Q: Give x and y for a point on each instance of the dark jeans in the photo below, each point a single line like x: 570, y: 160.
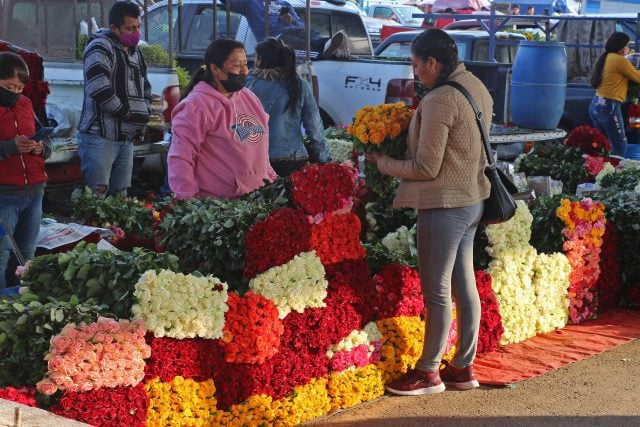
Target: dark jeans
x: 285, y: 168
x: 606, y: 115
x: 21, y: 218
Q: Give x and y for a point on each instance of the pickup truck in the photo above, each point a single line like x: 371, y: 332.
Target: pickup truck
x: 53, y: 29
x: 193, y: 31
x: 584, y: 36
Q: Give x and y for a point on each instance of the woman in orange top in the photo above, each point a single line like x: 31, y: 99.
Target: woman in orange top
x: 610, y: 78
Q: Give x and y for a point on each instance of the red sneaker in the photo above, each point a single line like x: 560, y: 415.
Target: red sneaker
x: 460, y: 378
x: 416, y: 382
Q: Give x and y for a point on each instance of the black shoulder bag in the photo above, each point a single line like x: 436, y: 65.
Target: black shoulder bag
x: 500, y: 206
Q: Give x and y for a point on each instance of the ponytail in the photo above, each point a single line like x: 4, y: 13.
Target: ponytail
x: 615, y: 43
x: 202, y: 74
x: 291, y: 78
x: 274, y: 53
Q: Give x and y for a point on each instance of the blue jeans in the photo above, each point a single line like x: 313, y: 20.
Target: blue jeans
x: 445, y: 254
x: 106, y: 165
x: 21, y: 217
x: 606, y: 116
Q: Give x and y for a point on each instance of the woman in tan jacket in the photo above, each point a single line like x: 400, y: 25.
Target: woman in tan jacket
x: 443, y: 178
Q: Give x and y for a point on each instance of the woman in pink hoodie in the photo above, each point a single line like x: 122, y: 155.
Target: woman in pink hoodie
x: 220, y: 143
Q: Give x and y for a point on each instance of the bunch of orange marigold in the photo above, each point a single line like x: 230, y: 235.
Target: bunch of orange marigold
x: 375, y: 124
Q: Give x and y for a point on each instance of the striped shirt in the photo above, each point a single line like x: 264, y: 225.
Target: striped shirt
x: 117, y: 93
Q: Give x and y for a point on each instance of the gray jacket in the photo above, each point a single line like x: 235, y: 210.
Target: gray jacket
x: 117, y: 93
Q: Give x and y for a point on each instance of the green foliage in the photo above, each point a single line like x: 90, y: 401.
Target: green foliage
x: 130, y: 214
x: 336, y: 132
x: 546, y: 229
x: 481, y: 258
x: 623, y: 210
x: 154, y: 54
x: 183, y: 75
x: 557, y: 161
x: 83, y: 39
x: 621, y: 181
x: 384, y: 186
x: 378, y: 255
x: 386, y: 219
x: 208, y: 234
x: 95, y: 276
x: 633, y: 93
x: 26, y: 327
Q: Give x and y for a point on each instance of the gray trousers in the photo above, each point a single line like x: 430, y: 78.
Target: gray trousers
x: 445, y: 253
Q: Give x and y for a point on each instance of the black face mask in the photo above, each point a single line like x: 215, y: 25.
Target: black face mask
x: 8, y: 98
x: 234, y: 82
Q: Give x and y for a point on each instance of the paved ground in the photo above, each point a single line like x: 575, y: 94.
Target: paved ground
x: 31, y: 417
x: 599, y: 391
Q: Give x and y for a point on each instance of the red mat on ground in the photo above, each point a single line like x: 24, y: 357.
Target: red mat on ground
x: 546, y: 352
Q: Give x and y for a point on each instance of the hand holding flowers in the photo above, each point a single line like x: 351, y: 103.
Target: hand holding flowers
x: 380, y: 130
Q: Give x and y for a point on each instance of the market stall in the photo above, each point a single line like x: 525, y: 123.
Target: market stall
x: 303, y: 296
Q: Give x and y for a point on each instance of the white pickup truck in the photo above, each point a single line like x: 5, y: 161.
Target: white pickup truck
x: 343, y: 86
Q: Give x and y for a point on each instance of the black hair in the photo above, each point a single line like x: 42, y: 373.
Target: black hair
x: 616, y: 42
x: 120, y: 10
x: 284, y: 10
x: 12, y: 65
x: 274, y: 53
x: 217, y: 53
x: 437, y: 44
x: 513, y: 6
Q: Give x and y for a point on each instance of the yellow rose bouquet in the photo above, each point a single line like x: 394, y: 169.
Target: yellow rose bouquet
x: 384, y: 128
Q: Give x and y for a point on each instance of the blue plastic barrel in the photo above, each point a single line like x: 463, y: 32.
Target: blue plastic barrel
x: 632, y: 151
x: 538, y: 85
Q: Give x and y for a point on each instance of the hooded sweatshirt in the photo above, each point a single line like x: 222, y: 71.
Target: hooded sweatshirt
x: 220, y: 145
x: 117, y: 93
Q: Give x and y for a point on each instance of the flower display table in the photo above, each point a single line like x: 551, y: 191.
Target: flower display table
x: 271, y: 310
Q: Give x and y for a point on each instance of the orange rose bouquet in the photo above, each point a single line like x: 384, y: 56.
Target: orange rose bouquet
x: 384, y: 128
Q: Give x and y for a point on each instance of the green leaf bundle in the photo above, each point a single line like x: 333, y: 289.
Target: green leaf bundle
x: 546, y: 229
x: 208, y: 234
x: 103, y: 276
x: 557, y: 161
x: 26, y: 326
x: 131, y: 215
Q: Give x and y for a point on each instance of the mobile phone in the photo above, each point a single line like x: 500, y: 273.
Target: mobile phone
x: 42, y: 134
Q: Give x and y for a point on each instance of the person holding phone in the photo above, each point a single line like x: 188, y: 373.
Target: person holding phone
x: 22, y: 172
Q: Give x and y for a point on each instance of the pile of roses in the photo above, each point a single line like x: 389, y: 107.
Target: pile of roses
x: 585, y: 226
x: 530, y: 288
x: 107, y: 353
x: 316, y: 331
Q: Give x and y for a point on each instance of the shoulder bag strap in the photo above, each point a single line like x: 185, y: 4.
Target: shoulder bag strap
x: 479, y: 118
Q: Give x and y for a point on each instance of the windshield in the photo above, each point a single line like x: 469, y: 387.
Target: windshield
x: 407, y: 12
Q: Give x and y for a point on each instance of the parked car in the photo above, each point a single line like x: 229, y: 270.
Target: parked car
x: 375, y: 26
x: 402, y: 14
x: 472, y: 45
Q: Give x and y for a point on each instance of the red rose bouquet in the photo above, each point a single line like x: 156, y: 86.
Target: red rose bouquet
x: 590, y: 140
